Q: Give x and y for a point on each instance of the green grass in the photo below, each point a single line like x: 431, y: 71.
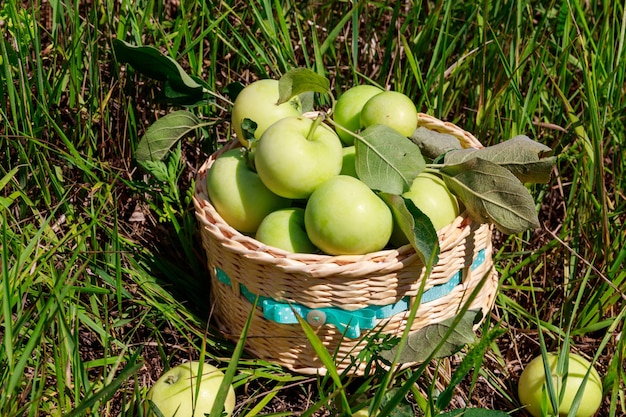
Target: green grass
x: 94, y: 305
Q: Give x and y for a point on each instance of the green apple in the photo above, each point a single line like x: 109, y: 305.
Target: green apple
x: 257, y: 102
x: 532, y: 388
x: 284, y: 229
x: 295, y: 155
x: 347, y: 111
x: 429, y: 194
x: 173, y: 394
x: 238, y: 194
x: 393, y: 109
x: 345, y: 217
x: 348, y: 166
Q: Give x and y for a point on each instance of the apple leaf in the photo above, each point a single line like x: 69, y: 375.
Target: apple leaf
x: 416, y: 226
x: 420, y: 344
x: 307, y: 100
x: 233, y: 89
x: 163, y: 134
x: 299, y: 81
x: 491, y: 193
x: 520, y: 155
x: 386, y: 160
x: 180, y: 88
x: 432, y: 144
x: 248, y: 127
x: 176, y: 95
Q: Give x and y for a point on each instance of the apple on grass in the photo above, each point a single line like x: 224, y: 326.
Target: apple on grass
x: 257, y: 102
x: 532, y: 387
x: 238, y: 194
x: 297, y: 154
x: 393, y: 109
x: 174, y: 393
x: 345, y: 217
x: 347, y: 111
x: 284, y: 229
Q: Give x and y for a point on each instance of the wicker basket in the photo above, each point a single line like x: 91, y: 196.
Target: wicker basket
x: 345, y: 298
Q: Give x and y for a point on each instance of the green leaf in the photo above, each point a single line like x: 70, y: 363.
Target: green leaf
x: 233, y: 89
x: 8, y: 178
x: 152, y: 63
x: 327, y: 360
x: 172, y: 95
x: 520, y: 155
x: 415, y: 225
x: 492, y: 194
x: 472, y: 360
x: 299, y: 81
x: 474, y: 412
x: 432, y: 144
x: 126, y: 374
x: 386, y: 160
x: 163, y: 134
x: 401, y: 406
x: 231, y: 370
x: 422, y: 343
x: 248, y: 127
x: 307, y: 101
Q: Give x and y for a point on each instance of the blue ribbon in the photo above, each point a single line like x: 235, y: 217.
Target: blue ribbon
x: 351, y: 323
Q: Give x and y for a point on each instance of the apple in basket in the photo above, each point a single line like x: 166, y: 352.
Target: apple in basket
x: 257, y: 102
x: 347, y: 111
x: 345, y: 217
x: 533, y: 391
x: 238, y: 194
x: 284, y: 229
x: 175, y: 393
x: 295, y: 155
x: 393, y: 109
x: 430, y: 194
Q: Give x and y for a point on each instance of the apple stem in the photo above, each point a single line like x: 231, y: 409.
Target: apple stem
x: 339, y: 127
x: 333, y: 102
x: 249, y: 158
x: 434, y: 168
x: 316, y: 122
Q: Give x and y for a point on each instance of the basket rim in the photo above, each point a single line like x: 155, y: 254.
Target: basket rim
x: 246, y: 245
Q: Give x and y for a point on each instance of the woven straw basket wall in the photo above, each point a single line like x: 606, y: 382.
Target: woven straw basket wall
x: 336, y: 294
